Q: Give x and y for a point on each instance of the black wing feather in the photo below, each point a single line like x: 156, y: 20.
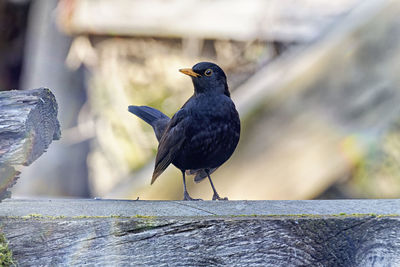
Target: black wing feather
x: 170, y: 143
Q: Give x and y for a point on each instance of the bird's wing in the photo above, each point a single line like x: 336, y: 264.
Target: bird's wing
x: 170, y: 143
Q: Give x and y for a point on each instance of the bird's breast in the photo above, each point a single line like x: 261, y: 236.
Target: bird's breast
x: 210, y: 139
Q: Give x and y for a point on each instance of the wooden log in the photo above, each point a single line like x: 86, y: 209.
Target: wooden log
x: 28, y: 124
x: 209, y: 233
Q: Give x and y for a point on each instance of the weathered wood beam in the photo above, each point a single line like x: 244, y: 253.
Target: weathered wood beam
x: 28, y: 124
x: 209, y: 233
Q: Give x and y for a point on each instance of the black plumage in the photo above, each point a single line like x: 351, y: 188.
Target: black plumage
x: 203, y: 134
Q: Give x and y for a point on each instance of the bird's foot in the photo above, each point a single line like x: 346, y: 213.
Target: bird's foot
x: 187, y: 197
x: 217, y: 197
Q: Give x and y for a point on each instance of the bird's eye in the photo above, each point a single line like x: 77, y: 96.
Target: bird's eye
x: 208, y: 72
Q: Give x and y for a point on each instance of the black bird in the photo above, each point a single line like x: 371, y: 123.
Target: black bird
x: 203, y: 134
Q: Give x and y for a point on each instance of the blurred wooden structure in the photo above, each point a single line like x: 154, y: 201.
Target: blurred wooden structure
x: 309, y: 115
x: 273, y: 20
x: 63, y: 170
x: 28, y: 124
x: 65, y: 232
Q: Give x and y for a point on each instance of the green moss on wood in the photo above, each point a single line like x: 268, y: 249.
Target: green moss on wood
x: 6, y: 257
x: 41, y: 216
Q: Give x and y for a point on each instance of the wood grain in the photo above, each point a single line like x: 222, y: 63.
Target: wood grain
x: 188, y: 239
x: 28, y: 124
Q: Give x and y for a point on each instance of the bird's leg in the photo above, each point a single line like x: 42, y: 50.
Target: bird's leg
x: 185, y: 192
x: 215, y: 196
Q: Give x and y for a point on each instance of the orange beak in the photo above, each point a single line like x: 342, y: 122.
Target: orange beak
x: 189, y: 72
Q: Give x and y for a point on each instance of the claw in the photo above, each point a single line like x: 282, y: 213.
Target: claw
x: 187, y: 197
x: 217, y: 197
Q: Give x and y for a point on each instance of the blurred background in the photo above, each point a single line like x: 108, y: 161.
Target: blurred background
x: 316, y: 83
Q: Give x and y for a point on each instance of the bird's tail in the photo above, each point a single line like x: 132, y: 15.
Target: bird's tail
x: 152, y: 116
x: 148, y: 114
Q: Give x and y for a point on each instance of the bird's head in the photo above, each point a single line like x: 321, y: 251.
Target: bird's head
x: 207, y: 77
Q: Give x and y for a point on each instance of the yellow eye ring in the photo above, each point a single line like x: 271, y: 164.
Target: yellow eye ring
x: 208, y: 72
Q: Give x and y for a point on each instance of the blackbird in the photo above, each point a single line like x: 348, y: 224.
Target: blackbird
x: 203, y: 134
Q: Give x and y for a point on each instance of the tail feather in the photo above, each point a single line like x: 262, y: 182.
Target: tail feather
x: 148, y: 114
x: 152, y: 116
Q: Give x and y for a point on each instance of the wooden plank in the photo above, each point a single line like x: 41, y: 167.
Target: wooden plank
x: 209, y: 233
x: 222, y: 19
